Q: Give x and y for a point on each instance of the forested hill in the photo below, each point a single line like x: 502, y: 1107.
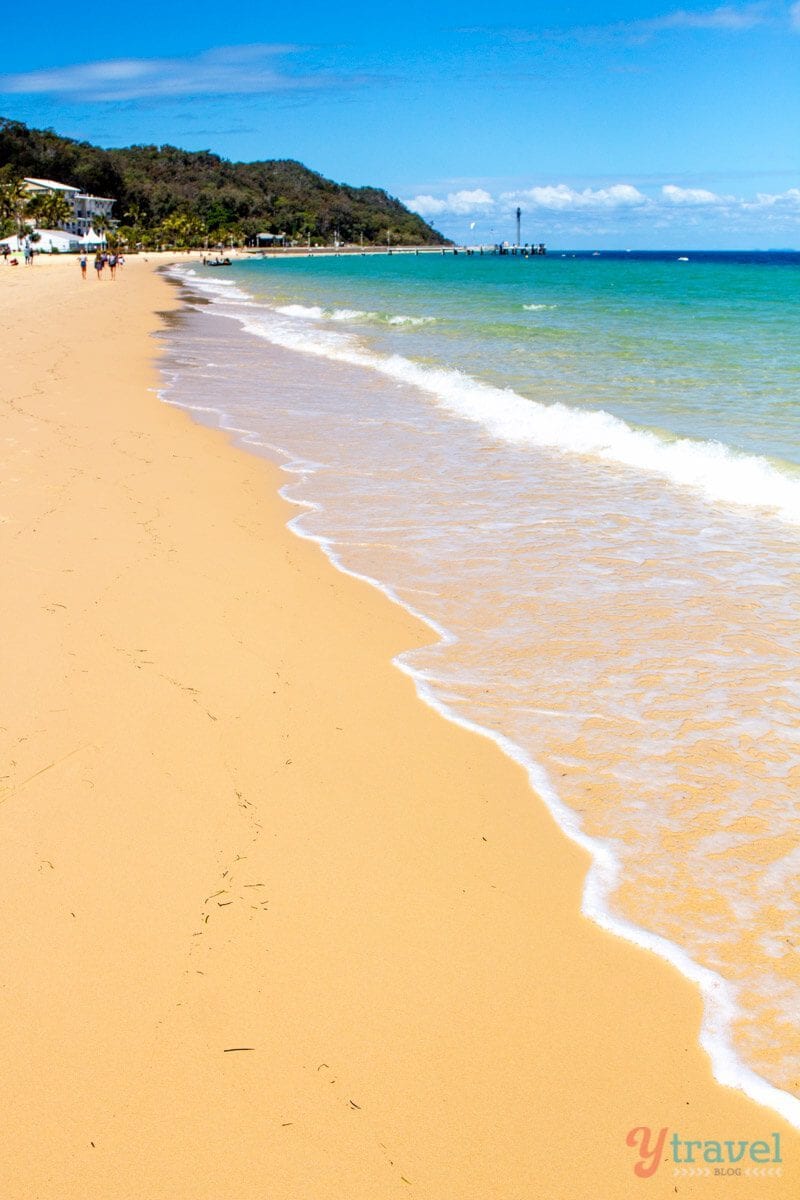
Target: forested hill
x: 154, y: 183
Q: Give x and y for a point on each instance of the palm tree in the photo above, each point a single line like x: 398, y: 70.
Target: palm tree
x: 173, y: 229
x: 101, y: 224
x: 14, y: 197
x: 183, y: 229
x: 34, y: 207
x: 55, y: 210
x: 134, y: 214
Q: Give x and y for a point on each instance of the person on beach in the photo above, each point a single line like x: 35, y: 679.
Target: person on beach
x: 83, y: 266
x: 112, y: 265
x: 98, y: 265
x: 28, y: 255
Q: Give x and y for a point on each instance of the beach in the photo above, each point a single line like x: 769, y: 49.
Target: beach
x: 272, y: 926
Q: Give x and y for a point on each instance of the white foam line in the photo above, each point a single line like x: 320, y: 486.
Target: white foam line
x: 401, y: 320
x: 709, y: 468
x: 719, y: 1007
x: 312, y: 313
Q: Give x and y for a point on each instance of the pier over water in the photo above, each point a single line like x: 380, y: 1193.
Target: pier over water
x: 533, y: 250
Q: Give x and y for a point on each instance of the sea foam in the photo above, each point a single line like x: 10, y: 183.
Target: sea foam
x: 473, y: 400
x: 719, y: 1003
x: 710, y: 468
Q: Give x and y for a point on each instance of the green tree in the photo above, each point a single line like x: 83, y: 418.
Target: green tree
x: 14, y: 198
x: 131, y: 232
x: 134, y: 214
x: 229, y: 235
x: 50, y: 210
x: 183, y: 229
x: 126, y: 235
x: 101, y: 224
x: 151, y: 183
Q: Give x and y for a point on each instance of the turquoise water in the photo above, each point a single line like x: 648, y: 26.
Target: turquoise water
x: 705, y: 349
x: 583, y: 473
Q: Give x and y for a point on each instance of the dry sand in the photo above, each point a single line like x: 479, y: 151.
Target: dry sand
x: 227, y: 821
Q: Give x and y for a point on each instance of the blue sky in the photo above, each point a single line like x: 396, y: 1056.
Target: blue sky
x: 637, y: 125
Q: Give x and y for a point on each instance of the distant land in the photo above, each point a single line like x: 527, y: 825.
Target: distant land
x: 154, y: 184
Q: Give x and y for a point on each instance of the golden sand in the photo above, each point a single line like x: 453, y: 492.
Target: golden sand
x: 271, y: 927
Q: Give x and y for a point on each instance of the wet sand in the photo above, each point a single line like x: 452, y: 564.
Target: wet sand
x: 271, y: 926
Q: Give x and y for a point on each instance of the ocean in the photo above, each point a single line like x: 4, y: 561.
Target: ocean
x: 583, y: 471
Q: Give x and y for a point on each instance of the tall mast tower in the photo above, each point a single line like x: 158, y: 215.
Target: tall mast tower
x: 519, y: 226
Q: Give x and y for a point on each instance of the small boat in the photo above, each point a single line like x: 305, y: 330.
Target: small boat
x: 218, y: 262
x: 683, y: 260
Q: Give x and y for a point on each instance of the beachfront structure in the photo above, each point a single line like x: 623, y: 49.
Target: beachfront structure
x: 55, y: 241
x: 85, y: 207
x: 50, y: 241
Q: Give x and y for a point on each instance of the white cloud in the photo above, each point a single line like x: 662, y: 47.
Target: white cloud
x: 553, y: 197
x: 227, y: 70
x: 464, y: 203
x: 560, y: 198
x: 693, y: 196
x: 563, y: 211
x: 427, y: 206
x: 726, y: 17
x: 788, y: 200
x: 763, y: 202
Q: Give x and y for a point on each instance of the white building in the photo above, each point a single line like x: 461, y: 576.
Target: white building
x: 84, y: 206
x: 55, y: 241
x: 49, y: 241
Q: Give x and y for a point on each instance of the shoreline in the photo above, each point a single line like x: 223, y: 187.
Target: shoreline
x: 603, y: 874
x: 667, y: 454
x: 438, y: 956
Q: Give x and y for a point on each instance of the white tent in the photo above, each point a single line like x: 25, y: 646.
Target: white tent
x: 91, y: 241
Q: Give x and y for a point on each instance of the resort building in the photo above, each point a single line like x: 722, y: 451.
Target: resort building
x: 85, y: 208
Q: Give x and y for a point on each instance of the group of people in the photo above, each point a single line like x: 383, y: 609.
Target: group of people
x: 101, y: 261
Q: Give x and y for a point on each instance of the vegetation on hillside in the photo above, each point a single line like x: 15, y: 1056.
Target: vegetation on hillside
x: 177, y: 197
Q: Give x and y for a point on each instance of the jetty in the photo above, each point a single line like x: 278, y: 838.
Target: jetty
x: 526, y: 251
x: 532, y: 250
